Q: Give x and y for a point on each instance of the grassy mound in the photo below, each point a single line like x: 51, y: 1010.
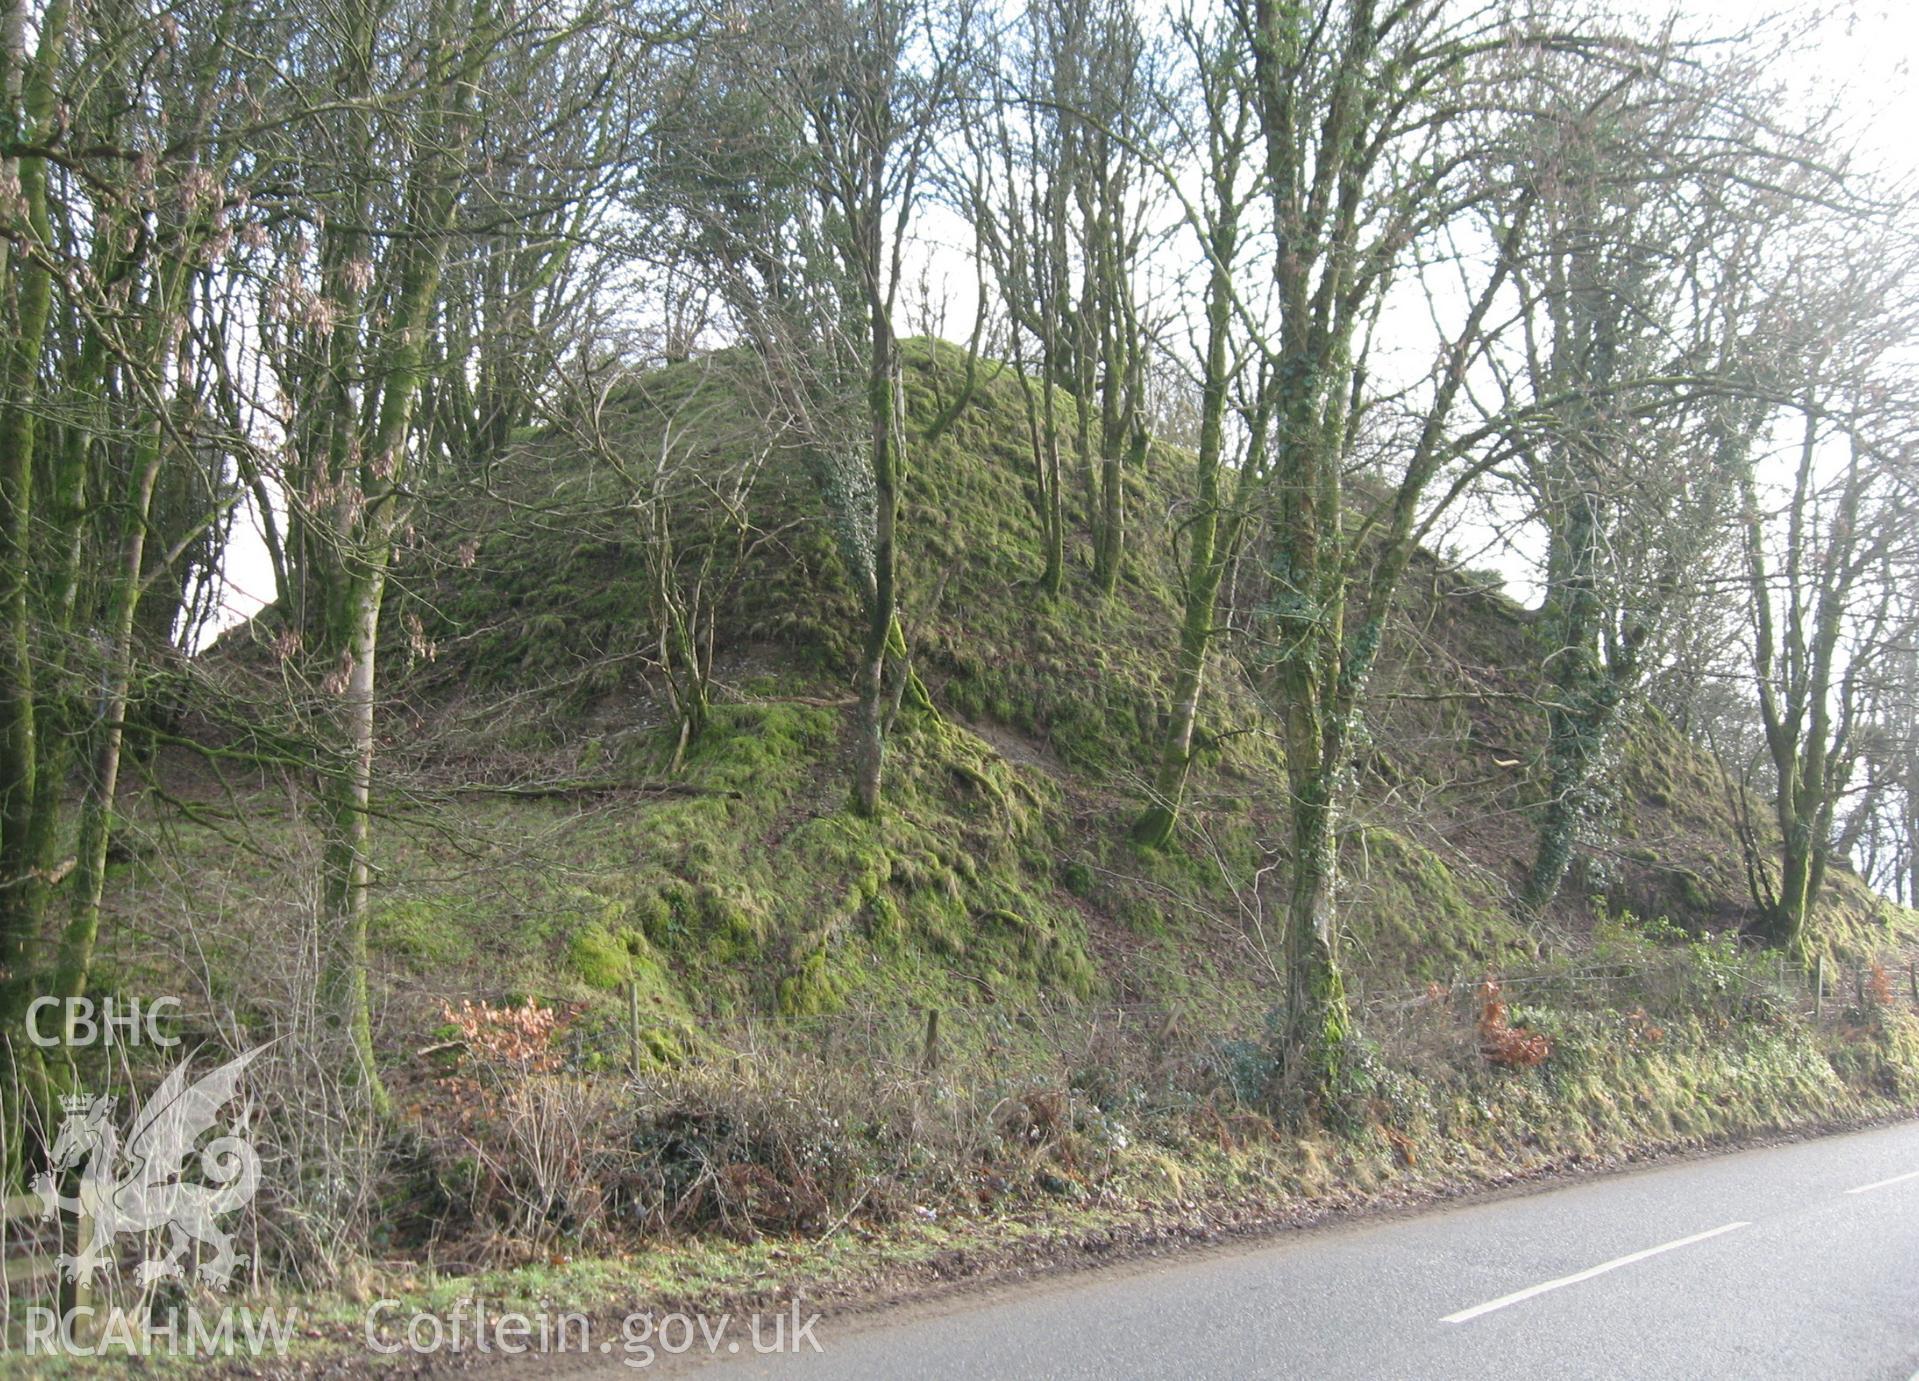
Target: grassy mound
x: 540, y: 839
x: 766, y: 1019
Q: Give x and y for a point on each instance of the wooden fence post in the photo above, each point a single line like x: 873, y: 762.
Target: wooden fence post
x: 1818, y: 987
x: 23, y: 1273
x: 76, y: 1296
x: 930, y: 1056
x: 1163, y: 1055
x: 633, y: 1020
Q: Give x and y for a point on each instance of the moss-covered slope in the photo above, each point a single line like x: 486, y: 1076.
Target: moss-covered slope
x: 542, y: 840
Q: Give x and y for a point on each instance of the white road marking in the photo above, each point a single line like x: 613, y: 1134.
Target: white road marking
x: 1881, y: 1184
x: 1466, y: 1314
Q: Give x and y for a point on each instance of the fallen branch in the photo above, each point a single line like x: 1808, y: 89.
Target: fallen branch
x: 594, y: 787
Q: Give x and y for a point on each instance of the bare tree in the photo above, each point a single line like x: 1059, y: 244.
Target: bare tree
x: 1827, y: 549
x: 390, y: 177
x: 1011, y: 188
x: 804, y: 203
x: 1361, y: 112
x: 690, y: 493
x: 1657, y: 190
x: 116, y: 218
x: 29, y: 259
x: 553, y: 150
x: 1224, y: 493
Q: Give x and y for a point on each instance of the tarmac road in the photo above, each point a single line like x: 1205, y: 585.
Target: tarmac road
x: 1799, y: 1260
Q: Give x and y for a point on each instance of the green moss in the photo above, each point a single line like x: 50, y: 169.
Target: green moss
x: 885, y: 923
x: 599, y: 959
x: 812, y: 989
x: 1000, y: 868
x: 1409, y: 913
x: 663, y: 1046
x: 430, y: 931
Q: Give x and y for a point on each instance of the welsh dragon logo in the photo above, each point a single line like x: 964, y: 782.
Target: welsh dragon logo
x: 141, y: 1188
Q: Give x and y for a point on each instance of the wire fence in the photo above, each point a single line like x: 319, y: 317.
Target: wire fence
x: 1036, y: 1039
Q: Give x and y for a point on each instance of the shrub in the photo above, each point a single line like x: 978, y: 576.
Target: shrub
x: 1500, y: 1041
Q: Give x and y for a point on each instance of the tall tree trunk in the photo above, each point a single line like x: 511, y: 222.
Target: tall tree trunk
x: 1205, y: 566
x: 1154, y: 827
x: 1112, y: 525
x: 1796, y: 707
x: 1042, y: 437
x: 96, y: 817
x: 1784, y: 925
x: 1053, y: 575
x: 870, y: 748
x: 29, y: 798
x: 365, y: 524
x: 1584, y: 696
x: 165, y: 310
x: 1053, y: 518
x: 1318, y: 1020
x: 25, y: 829
x: 1107, y: 532
x: 345, y: 792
